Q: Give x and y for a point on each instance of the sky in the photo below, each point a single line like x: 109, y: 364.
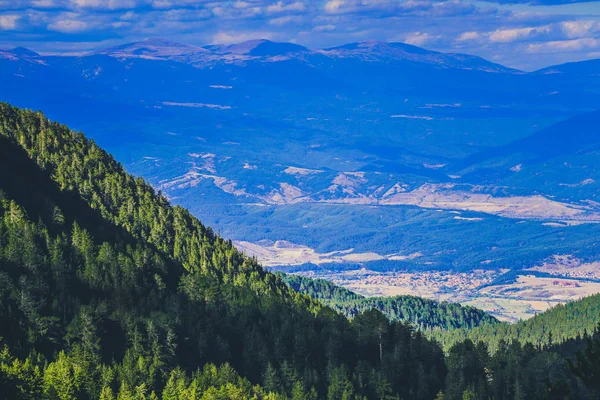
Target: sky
x: 524, y: 34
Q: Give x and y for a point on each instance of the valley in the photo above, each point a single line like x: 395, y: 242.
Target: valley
x: 518, y: 299
x: 440, y: 190
x: 508, y: 295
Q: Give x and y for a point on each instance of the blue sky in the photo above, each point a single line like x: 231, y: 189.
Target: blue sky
x: 518, y: 33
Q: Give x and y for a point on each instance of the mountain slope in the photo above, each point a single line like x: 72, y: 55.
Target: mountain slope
x: 557, y: 160
x: 107, y: 291
x: 424, y: 314
x: 556, y: 325
x: 81, y: 166
x: 573, y: 73
x: 576, y: 134
x: 99, y: 273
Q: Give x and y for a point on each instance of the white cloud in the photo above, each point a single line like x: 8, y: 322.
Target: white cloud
x: 324, y: 28
x: 170, y: 4
x: 578, y: 29
x: 517, y: 34
x: 420, y: 38
x: 162, y: 4
x: 468, y: 36
x: 242, y: 4
x: 551, y: 33
x: 237, y: 37
x: 239, y: 12
x: 388, y: 8
x: 128, y: 16
x: 68, y: 26
x: 47, y: 3
x: 105, y: 4
x: 564, y: 46
x: 8, y: 22
x: 281, y: 21
x: 334, y: 6
x: 281, y: 7
x: 350, y: 6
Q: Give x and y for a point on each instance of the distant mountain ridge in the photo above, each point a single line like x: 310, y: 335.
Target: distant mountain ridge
x: 151, y: 48
x: 394, y: 51
x: 157, y: 48
x: 368, y: 50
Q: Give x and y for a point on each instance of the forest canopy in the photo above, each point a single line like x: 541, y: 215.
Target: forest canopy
x: 107, y: 291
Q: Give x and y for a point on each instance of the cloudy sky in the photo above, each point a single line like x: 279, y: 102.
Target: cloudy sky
x: 526, y: 34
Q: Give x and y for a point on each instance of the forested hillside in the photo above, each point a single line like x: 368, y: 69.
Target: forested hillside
x: 450, y: 323
x: 107, y: 289
x: 554, y: 326
x: 109, y: 292
x: 422, y: 313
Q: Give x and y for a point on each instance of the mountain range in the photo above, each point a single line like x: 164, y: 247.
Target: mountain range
x: 371, y: 154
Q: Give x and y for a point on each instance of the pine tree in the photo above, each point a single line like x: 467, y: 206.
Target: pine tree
x: 271, y: 380
x: 59, y: 379
x: 107, y: 394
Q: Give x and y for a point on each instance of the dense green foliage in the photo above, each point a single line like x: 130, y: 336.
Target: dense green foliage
x: 557, y: 325
x: 516, y: 371
x: 95, y: 264
x: 109, y: 292
x: 587, y: 363
x: 66, y: 378
x: 423, y: 313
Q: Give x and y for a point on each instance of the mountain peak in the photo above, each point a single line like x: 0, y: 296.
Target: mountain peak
x: 23, y: 52
x: 264, y: 48
x: 580, y: 68
x: 152, y: 47
x: 373, y: 50
x: 162, y: 42
x: 378, y: 47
